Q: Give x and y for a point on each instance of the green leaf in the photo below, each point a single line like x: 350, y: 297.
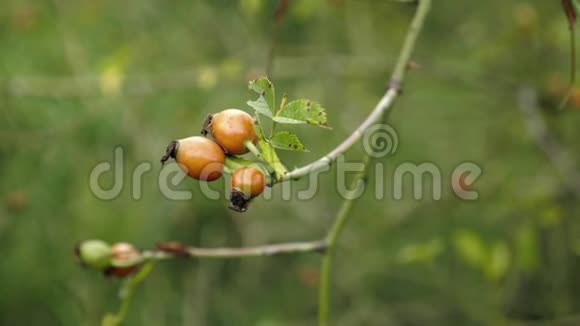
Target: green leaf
x: 421, y: 253
x: 265, y: 88
x: 288, y: 141
x: 302, y: 111
x: 498, y: 262
x: 110, y: 320
x: 288, y: 121
x: 270, y: 156
x: 470, y: 247
x: 261, y: 106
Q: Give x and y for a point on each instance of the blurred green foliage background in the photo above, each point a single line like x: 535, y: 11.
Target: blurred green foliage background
x: 78, y: 78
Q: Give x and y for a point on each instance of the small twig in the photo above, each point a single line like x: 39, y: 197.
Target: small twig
x: 277, y: 20
x: 253, y: 149
x: 381, y: 114
x: 331, y: 238
x: 384, y: 103
x: 258, y: 251
x: 570, y: 12
x: 558, y: 155
x: 126, y: 294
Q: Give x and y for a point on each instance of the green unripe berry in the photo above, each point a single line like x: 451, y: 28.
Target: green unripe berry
x: 94, y: 253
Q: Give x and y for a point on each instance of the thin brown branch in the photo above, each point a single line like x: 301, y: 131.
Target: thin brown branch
x: 557, y: 153
x: 382, y: 106
x: 277, y: 21
x: 380, y: 113
x: 570, y: 12
x: 257, y: 251
x: 571, y: 15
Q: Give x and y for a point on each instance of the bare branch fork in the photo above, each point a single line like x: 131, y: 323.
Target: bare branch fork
x: 556, y: 152
x: 382, y: 107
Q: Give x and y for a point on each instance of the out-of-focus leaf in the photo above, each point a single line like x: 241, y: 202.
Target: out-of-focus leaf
x: 111, y: 79
x: 110, y: 320
x: 207, y: 77
x: 305, y: 9
x: 112, y: 71
x: 230, y: 68
x: 551, y: 216
x: 288, y: 141
x: 421, y: 253
x: 265, y: 88
x: 470, y: 247
x: 302, y: 111
x: 498, y: 261
x: 251, y: 7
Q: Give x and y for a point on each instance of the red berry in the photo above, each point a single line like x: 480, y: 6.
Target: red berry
x: 246, y: 183
x: 123, y: 252
x: 199, y: 157
x: 231, y: 128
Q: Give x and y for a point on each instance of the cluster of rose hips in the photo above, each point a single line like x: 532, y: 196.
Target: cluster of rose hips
x: 225, y: 136
x: 226, y: 133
